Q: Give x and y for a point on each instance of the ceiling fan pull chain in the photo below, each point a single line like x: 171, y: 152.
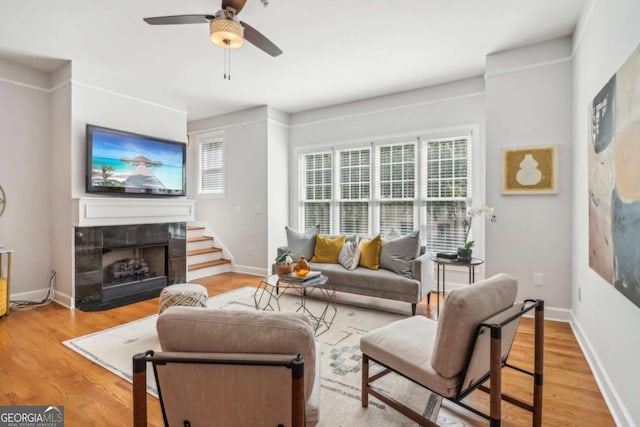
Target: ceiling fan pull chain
x: 225, y: 63
x: 229, y: 50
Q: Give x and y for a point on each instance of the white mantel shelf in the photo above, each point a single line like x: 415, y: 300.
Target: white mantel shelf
x: 100, y: 211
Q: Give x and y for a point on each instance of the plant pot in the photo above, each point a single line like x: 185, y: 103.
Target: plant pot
x: 284, y: 266
x: 464, y: 255
x: 282, y: 269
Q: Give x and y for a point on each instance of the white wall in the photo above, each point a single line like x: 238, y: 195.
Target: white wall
x: 62, y: 243
x: 606, y: 321
x: 25, y: 167
x: 528, y: 93
x: 277, y: 180
x: 239, y: 219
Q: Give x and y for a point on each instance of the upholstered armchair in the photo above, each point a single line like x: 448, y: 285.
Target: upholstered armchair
x: 232, y: 368
x: 467, y: 347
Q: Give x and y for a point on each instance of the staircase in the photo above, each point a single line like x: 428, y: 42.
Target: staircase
x: 203, y: 258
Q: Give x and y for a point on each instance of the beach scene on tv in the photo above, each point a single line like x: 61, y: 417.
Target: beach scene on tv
x: 132, y: 162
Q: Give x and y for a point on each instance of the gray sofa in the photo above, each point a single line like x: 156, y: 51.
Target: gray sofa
x: 382, y: 283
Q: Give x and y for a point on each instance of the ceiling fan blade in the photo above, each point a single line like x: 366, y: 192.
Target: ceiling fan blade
x: 257, y: 39
x: 178, y: 19
x: 236, y: 4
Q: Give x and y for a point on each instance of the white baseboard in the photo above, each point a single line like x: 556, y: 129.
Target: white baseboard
x: 40, y: 294
x: 64, y: 299
x: 618, y: 411
x: 37, y: 295
x: 246, y: 269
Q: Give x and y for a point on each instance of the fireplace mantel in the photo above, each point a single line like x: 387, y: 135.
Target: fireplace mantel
x: 103, y: 211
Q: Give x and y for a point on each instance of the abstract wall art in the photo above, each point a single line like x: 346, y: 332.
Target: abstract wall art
x: 614, y: 180
x: 530, y: 170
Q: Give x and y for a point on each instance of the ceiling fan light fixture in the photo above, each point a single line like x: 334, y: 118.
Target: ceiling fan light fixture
x: 226, y: 33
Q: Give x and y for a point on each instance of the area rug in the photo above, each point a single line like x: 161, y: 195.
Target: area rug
x: 340, y: 356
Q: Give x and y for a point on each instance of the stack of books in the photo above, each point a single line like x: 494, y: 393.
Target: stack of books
x: 312, y: 278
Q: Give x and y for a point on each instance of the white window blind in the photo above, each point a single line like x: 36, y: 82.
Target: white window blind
x: 211, y: 164
x: 316, y: 170
x: 396, y: 189
x: 446, y: 187
x: 354, y: 177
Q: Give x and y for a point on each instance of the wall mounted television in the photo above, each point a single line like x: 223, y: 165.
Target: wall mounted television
x: 129, y: 164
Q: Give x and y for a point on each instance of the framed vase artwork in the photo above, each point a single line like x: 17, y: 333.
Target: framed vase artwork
x: 530, y: 170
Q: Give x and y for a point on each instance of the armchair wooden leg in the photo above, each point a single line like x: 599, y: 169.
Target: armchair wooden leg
x: 297, y: 394
x: 495, y: 399
x: 140, y: 390
x: 413, y: 309
x: 538, y: 365
x: 365, y: 380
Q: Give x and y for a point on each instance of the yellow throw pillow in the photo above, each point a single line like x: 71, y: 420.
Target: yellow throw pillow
x: 327, y: 250
x: 370, y: 252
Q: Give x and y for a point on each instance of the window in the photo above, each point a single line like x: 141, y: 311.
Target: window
x: 397, y: 187
x: 446, y: 190
x: 211, y: 164
x: 401, y: 187
x: 355, y: 190
x: 317, y: 191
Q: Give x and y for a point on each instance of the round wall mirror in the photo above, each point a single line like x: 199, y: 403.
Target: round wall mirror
x: 3, y: 200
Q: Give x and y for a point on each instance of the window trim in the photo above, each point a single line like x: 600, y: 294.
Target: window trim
x: 206, y: 137
x: 478, y: 168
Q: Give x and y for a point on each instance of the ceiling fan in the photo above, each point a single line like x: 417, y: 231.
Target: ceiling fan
x: 224, y: 28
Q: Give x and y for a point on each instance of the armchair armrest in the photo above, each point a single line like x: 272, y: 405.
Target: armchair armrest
x: 422, y: 271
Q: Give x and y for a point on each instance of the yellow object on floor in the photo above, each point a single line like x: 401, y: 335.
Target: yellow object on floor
x: 3, y: 297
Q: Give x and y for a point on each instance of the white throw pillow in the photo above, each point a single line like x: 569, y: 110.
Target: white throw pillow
x: 349, y: 255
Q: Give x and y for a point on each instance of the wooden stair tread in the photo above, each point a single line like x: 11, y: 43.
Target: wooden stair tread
x: 194, y: 227
x: 198, y: 239
x: 200, y: 265
x: 203, y: 251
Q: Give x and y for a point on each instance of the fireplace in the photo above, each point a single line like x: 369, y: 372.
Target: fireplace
x: 118, y: 265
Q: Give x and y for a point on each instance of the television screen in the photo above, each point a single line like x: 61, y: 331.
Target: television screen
x: 130, y: 164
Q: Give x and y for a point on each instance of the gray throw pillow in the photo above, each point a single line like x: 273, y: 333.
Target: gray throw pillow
x: 349, y: 255
x: 301, y: 243
x: 398, y: 254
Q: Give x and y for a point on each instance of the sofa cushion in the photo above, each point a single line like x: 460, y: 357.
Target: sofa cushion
x: 397, y: 254
x: 349, y: 256
x: 464, y: 309
x: 407, y: 345
x: 301, y: 243
x: 376, y: 282
x: 327, y: 249
x: 370, y: 252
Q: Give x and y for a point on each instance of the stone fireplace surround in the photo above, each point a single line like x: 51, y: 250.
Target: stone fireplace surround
x: 97, y: 248
x: 151, y: 223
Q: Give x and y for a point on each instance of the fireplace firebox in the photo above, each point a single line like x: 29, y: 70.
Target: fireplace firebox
x: 119, y: 265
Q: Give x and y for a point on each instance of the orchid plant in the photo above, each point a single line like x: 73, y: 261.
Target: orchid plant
x: 487, y: 211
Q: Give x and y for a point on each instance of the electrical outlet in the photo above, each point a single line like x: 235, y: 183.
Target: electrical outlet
x: 538, y: 279
x: 249, y: 250
x: 237, y: 208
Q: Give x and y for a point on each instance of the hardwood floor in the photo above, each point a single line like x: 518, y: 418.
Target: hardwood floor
x: 36, y: 369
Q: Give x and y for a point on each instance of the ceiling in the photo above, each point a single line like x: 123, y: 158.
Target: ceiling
x: 334, y: 51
